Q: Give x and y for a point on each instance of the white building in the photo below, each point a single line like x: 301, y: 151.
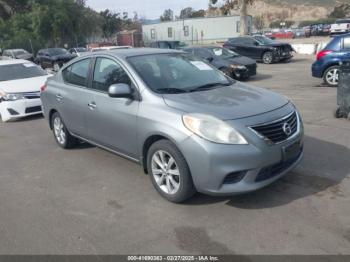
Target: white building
x: 203, y: 30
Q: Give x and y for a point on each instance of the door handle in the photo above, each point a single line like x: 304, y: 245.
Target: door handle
x: 59, y: 97
x: 92, y: 105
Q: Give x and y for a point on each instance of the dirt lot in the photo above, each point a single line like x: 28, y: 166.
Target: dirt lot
x: 88, y: 201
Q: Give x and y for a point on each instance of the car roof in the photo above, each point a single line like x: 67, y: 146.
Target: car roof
x: 124, y: 53
x: 13, y: 62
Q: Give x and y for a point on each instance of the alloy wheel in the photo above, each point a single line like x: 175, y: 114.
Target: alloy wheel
x: 59, y: 131
x: 268, y: 58
x: 332, y: 76
x: 165, y: 172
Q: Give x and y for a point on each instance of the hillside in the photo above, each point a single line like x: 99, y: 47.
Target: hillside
x: 307, y: 2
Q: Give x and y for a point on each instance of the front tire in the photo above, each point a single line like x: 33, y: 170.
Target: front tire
x: 169, y: 172
x: 267, y: 57
x: 331, y: 76
x: 62, y: 136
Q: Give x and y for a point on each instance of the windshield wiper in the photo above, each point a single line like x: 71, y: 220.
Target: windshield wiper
x: 209, y: 86
x: 172, y: 90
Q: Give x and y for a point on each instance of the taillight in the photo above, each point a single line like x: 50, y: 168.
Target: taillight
x: 323, y: 53
x: 43, y: 88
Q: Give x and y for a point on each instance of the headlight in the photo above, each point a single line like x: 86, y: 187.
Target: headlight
x: 242, y: 67
x: 12, y: 97
x: 213, y: 129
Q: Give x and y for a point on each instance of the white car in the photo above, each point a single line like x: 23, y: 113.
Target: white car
x: 341, y: 26
x: 107, y: 48
x: 20, y: 85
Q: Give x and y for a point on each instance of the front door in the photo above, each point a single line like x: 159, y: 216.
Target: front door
x: 112, y: 121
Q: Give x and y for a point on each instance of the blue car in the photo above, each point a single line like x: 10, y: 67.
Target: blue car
x: 329, y: 59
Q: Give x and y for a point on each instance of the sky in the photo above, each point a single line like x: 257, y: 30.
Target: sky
x: 149, y: 9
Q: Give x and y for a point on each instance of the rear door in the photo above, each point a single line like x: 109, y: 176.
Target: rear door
x: 112, y: 121
x: 72, y: 96
x: 346, y: 47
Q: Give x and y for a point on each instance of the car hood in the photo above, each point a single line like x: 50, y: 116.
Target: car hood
x: 228, y: 103
x: 278, y: 44
x: 24, y: 56
x: 23, y: 85
x: 240, y: 60
x: 64, y: 57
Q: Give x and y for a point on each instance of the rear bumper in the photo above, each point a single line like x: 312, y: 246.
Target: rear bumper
x: 317, y: 70
x: 11, y: 110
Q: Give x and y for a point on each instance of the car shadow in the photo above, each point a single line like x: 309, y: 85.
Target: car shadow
x: 324, y: 167
x: 259, y: 77
x: 83, y: 145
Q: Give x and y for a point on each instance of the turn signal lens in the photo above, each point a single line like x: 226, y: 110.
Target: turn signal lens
x: 43, y: 88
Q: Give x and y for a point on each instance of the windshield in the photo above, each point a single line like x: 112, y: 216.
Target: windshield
x: 20, y: 52
x: 57, y: 51
x: 81, y: 49
x: 177, y: 73
x: 264, y: 40
x: 223, y: 52
x: 20, y: 71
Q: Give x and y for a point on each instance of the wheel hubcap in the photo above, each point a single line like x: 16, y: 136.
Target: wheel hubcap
x: 333, y: 76
x: 165, y: 172
x: 60, y: 134
x: 268, y: 58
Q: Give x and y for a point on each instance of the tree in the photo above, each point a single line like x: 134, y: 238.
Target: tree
x: 259, y: 22
x: 241, y: 5
x: 168, y: 15
x: 340, y: 11
x: 111, y: 23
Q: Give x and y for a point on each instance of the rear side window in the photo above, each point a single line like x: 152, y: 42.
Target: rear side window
x: 334, y: 45
x: 77, y: 74
x: 107, y: 72
x: 347, y: 43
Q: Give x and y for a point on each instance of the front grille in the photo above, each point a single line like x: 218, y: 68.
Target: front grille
x: 275, y: 131
x: 274, y: 170
x: 33, y: 109
x: 32, y: 95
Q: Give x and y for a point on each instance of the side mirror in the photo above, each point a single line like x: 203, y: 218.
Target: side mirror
x: 120, y: 91
x: 210, y: 59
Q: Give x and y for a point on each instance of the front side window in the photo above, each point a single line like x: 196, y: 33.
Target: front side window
x: 77, y: 74
x: 177, y: 73
x: 107, y: 72
x: 170, y: 32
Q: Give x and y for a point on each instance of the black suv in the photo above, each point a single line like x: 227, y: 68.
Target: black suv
x: 53, y: 58
x: 260, y: 48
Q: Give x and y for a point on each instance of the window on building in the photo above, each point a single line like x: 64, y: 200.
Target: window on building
x: 170, y: 32
x: 186, y: 30
x: 153, y: 33
x: 238, y: 26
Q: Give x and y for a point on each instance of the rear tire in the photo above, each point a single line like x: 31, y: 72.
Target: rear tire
x: 62, y: 136
x: 268, y: 57
x: 331, y: 76
x: 169, y: 172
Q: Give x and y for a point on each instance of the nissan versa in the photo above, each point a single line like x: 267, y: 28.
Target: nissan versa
x: 192, y: 128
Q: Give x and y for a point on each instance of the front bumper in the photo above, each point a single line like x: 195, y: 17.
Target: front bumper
x: 283, y: 55
x: 11, y: 110
x: 260, y: 163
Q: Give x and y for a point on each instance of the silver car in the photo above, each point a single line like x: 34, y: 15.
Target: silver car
x: 192, y: 128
